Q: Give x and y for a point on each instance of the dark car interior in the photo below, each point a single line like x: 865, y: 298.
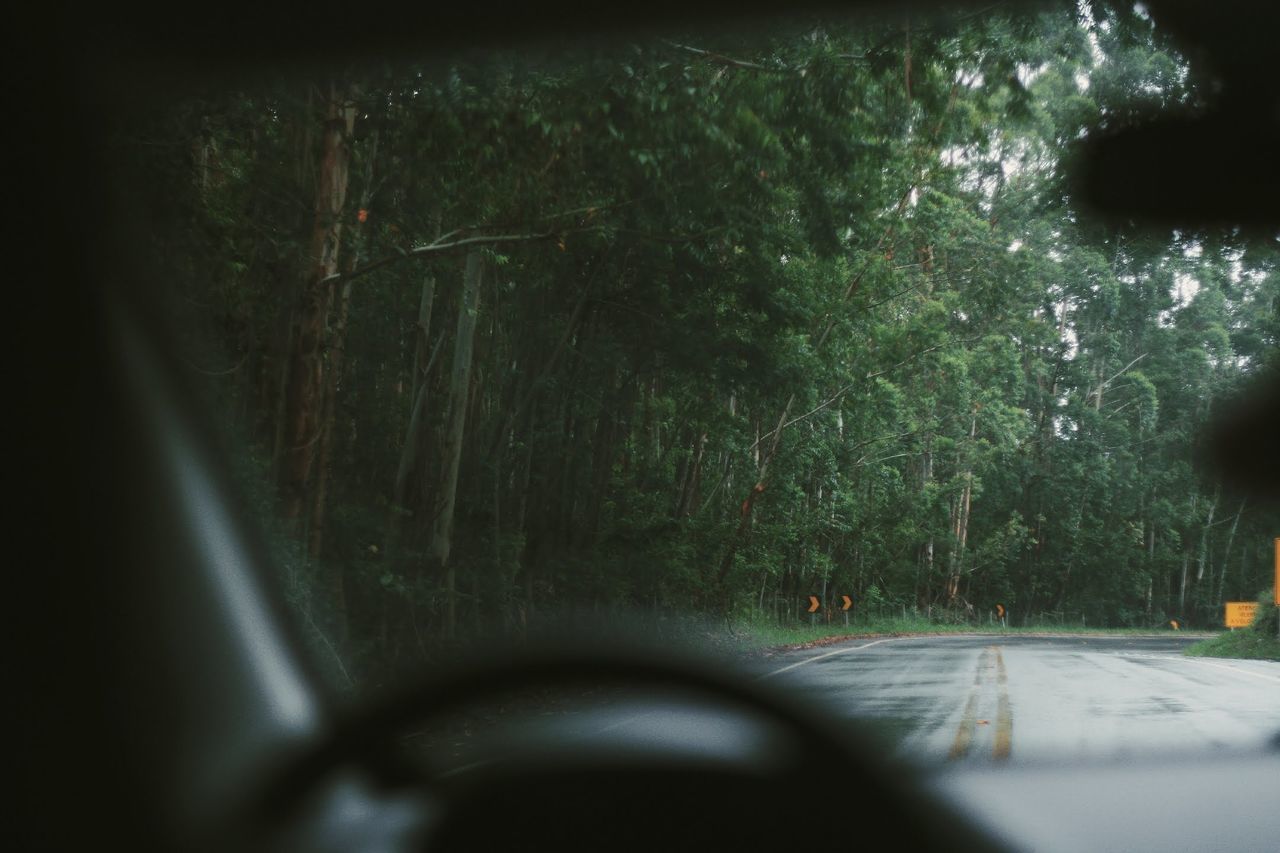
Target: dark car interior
x: 163, y: 700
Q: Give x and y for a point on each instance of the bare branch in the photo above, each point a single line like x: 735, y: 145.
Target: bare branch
x: 230, y: 370
x: 916, y: 355
x: 451, y: 241
x: 726, y: 60
x: 1124, y: 406
x: 846, y: 389
x: 1124, y: 370
x: 880, y: 438
x: 1103, y: 386
x: 437, y: 247
x: 881, y: 459
x: 431, y: 360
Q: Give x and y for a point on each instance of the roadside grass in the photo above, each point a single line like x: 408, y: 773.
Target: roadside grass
x: 760, y: 636
x: 1244, y: 643
x: 1257, y: 642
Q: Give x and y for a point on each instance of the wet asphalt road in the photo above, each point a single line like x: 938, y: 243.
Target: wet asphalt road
x: 993, y: 699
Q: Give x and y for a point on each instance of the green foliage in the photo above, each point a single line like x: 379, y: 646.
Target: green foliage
x: 860, y: 233
x: 1260, y: 641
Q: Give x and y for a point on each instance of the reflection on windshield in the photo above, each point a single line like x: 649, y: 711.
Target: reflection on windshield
x: 766, y: 338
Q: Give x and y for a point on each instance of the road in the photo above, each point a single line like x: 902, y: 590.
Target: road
x: 1016, y: 728
x: 989, y: 699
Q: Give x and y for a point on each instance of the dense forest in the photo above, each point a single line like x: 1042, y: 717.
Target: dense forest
x: 711, y: 324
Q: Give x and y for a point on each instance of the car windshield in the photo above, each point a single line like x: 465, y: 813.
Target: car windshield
x: 758, y: 338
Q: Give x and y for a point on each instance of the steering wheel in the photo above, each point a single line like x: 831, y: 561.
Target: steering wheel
x: 561, y: 794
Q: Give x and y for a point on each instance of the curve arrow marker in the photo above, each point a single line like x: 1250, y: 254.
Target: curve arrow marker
x: 814, y: 604
x: 848, y: 602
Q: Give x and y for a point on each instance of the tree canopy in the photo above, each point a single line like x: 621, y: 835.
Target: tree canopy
x: 713, y: 323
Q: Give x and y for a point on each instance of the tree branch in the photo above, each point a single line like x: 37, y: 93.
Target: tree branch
x: 1103, y: 385
x: 846, y: 389
x: 1124, y: 370
x: 448, y: 243
x: 721, y: 58
x: 436, y: 247
x: 230, y: 370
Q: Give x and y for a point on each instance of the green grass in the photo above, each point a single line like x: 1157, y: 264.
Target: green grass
x: 763, y: 635
x: 1244, y: 643
x: 1257, y: 642
x: 766, y: 634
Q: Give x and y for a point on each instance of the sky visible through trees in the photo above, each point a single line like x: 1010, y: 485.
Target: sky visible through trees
x: 711, y: 323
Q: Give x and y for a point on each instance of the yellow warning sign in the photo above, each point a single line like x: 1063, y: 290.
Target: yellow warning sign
x: 1240, y: 613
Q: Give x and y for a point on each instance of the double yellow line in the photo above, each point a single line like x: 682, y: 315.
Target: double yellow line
x: 990, y: 659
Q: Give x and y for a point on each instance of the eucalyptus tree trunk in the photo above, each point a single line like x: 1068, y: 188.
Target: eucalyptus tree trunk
x: 1186, y: 561
x: 336, y: 346
x: 1182, y: 586
x: 304, y: 398
x: 332, y: 579
x: 960, y: 515
x: 523, y: 564
x: 693, y: 478
x: 1204, y: 537
x: 744, y: 512
x: 413, y: 456
x: 1151, y: 562
x: 1226, y: 556
x: 459, y: 392
x: 925, y: 563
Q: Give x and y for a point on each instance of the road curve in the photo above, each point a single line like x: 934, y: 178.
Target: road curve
x: 999, y: 699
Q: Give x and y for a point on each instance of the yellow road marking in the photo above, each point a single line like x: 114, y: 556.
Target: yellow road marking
x: 968, y: 719
x: 984, y: 663
x: 1004, y: 730
x: 1004, y: 715
x: 964, y: 734
x: 991, y: 659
